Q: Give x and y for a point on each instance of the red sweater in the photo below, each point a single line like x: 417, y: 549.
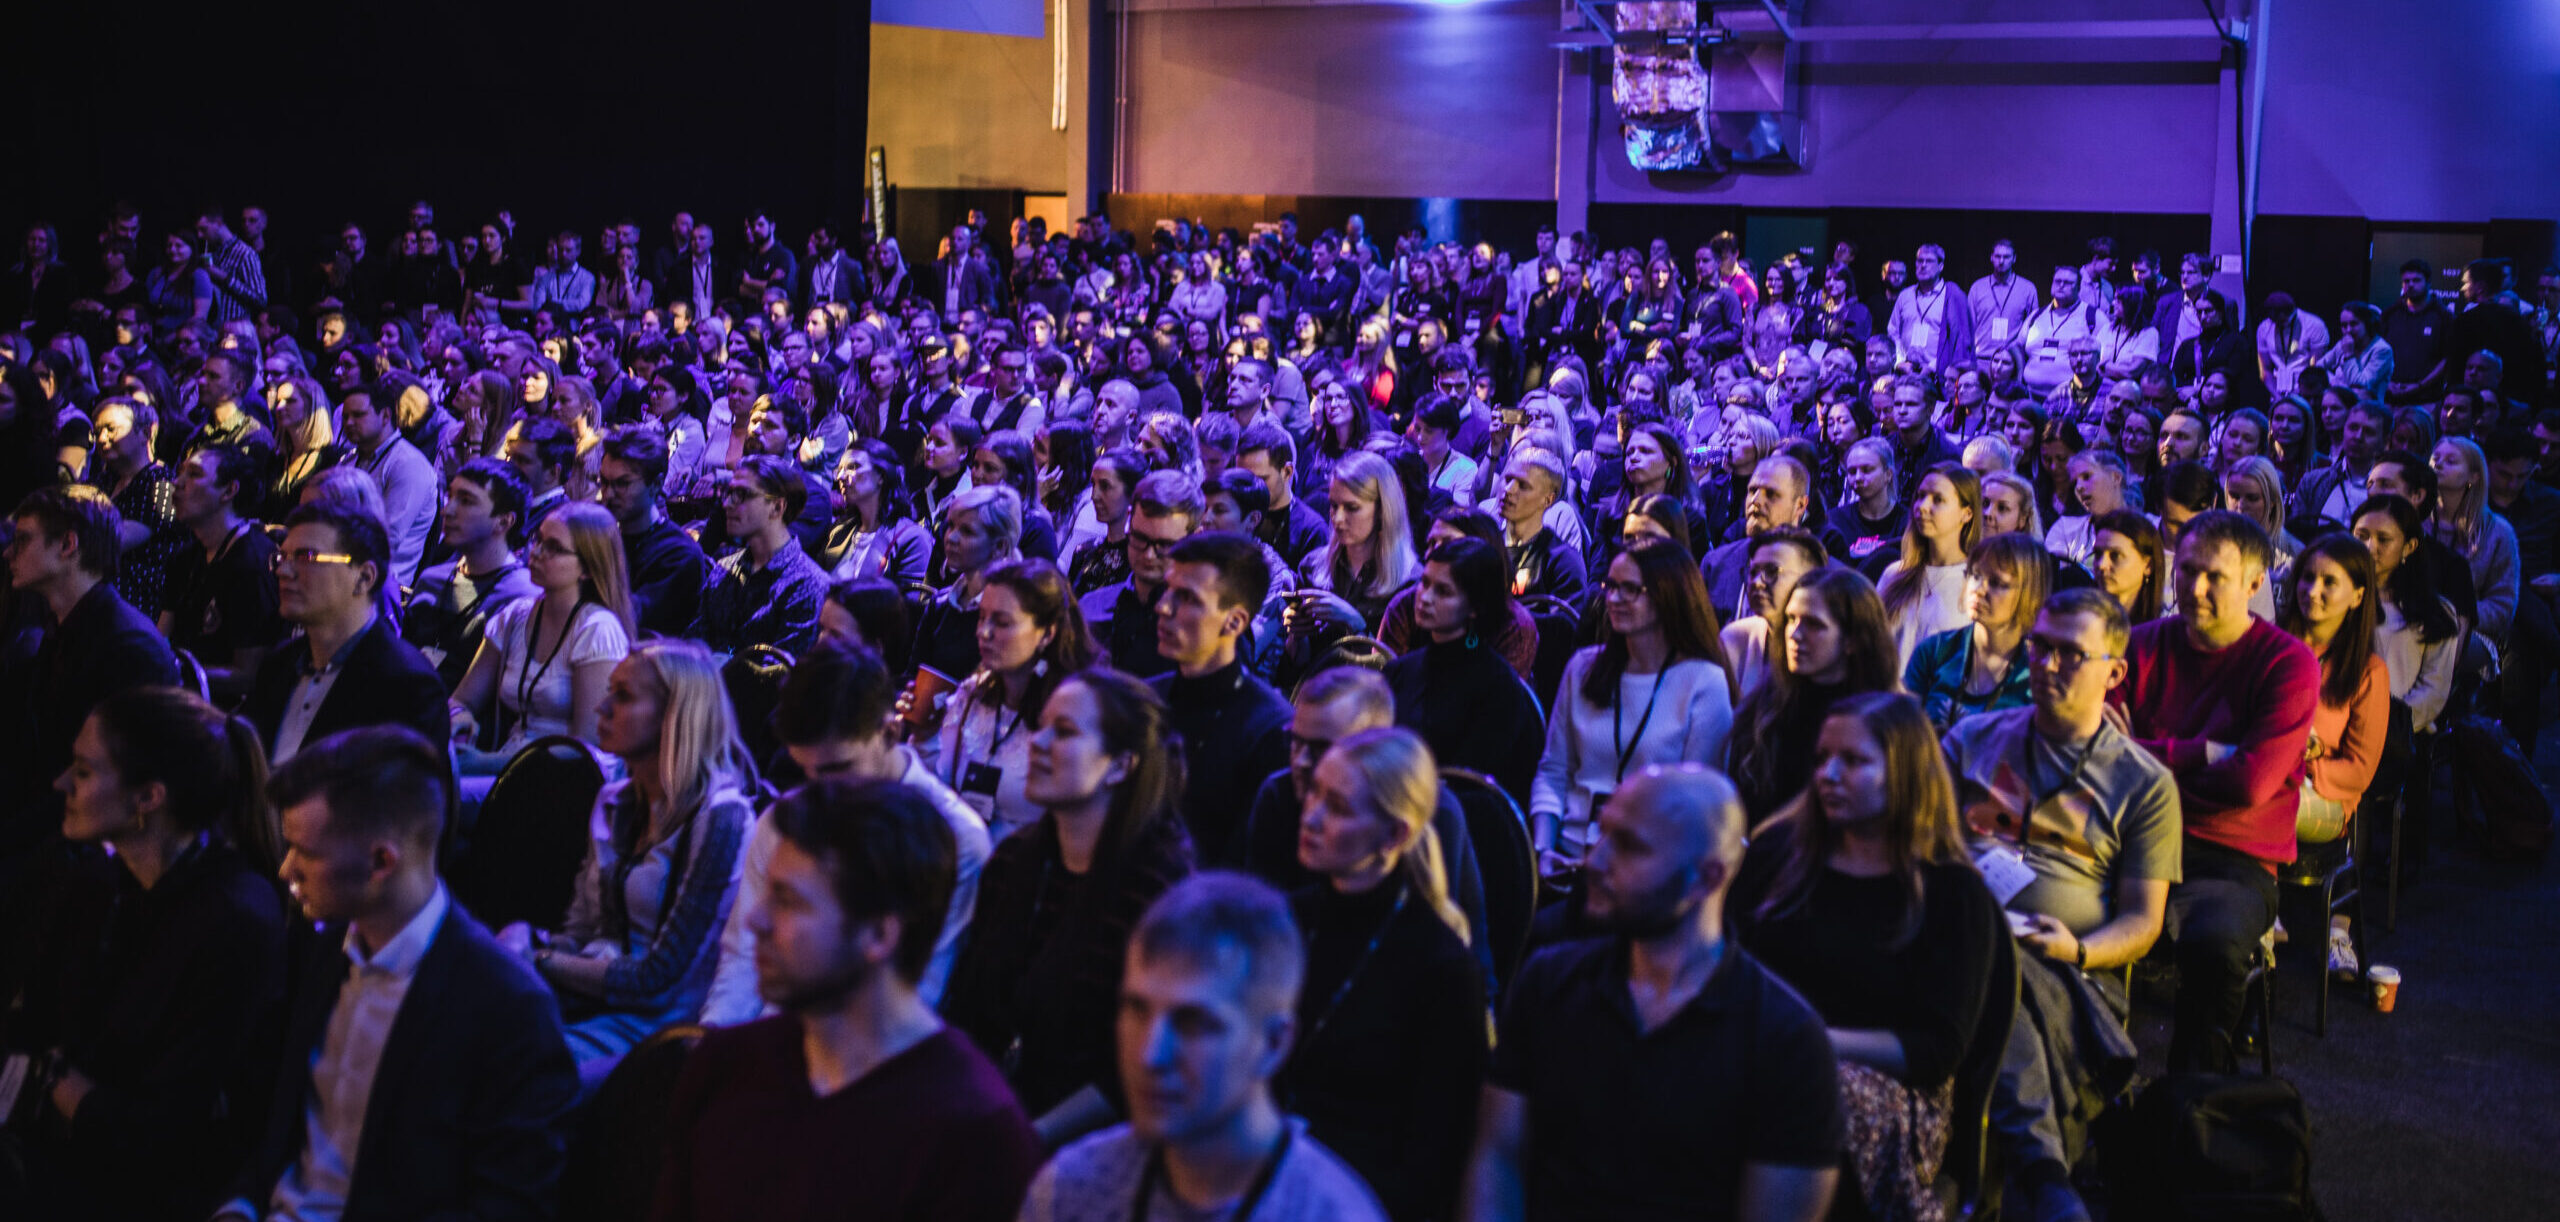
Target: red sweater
x: 2257, y: 696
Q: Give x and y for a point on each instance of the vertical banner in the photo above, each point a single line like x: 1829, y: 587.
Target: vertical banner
x: 879, y: 194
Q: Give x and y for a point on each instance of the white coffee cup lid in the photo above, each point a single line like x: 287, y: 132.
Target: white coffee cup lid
x: 2382, y: 973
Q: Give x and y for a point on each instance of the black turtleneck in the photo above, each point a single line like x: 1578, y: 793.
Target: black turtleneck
x: 1235, y: 733
x: 1785, y: 761
x: 1386, y: 1072
x: 1473, y: 710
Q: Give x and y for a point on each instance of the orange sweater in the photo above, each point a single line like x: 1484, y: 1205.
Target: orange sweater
x: 2350, y: 737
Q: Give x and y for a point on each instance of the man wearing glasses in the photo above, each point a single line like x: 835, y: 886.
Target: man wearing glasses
x: 1169, y: 508
x: 348, y: 668
x: 2076, y: 828
x: 767, y: 592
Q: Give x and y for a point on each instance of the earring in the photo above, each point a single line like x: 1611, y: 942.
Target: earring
x: 1039, y: 668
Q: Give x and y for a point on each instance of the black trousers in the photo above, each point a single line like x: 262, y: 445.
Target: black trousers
x: 2217, y: 917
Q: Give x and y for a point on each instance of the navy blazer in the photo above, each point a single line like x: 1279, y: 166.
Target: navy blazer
x: 469, y: 1101
x: 386, y: 682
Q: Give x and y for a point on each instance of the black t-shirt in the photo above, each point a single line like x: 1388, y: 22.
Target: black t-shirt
x: 1632, y: 1124
x: 221, y: 605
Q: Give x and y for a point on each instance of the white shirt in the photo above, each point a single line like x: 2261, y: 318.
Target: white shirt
x: 309, y: 693
x: 1939, y: 607
x: 1746, y: 645
x: 1681, y: 714
x: 315, y: 1188
x: 734, y: 997
x: 2289, y: 347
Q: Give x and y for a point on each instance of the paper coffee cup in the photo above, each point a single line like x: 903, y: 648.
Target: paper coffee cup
x: 2386, y: 986
x: 928, y: 684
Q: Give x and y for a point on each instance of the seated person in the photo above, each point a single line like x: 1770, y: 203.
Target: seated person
x: 1390, y: 1047
x: 1352, y: 577
x: 448, y: 614
x: 1466, y: 702
x: 1233, y: 725
x: 1210, y: 985
x: 1860, y: 896
x: 1659, y: 647
x: 981, y: 528
x: 583, y: 611
x: 977, y: 740
x: 1830, y: 644
x: 1982, y: 667
x: 1661, y: 1071
x: 858, y: 1082
x: 1040, y: 977
x: 2055, y: 787
x: 159, y: 970
x: 2225, y: 699
x: 1517, y: 642
x: 1775, y: 559
x: 222, y: 591
x: 767, y: 592
x: 460, y: 1101
x: 348, y: 668
x: 1542, y: 565
x: 832, y: 716
x: 1168, y: 508
x: 667, y: 566
x: 642, y: 937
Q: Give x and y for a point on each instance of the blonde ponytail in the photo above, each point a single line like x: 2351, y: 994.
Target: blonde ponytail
x: 1403, y: 783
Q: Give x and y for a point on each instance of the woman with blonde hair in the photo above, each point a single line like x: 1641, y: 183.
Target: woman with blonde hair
x: 2009, y: 504
x: 1861, y: 896
x: 2480, y: 535
x: 642, y: 936
x: 2253, y: 487
x: 1391, y: 1017
x: 1924, y: 591
x: 547, y: 659
x: 1370, y: 558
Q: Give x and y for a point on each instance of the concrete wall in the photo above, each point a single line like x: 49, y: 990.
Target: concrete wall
x: 961, y: 109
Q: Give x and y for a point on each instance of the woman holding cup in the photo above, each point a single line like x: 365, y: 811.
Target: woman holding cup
x: 980, y: 528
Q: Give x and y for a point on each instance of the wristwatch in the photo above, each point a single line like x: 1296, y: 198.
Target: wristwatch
x: 2080, y: 955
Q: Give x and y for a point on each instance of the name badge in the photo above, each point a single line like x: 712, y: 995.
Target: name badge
x: 2000, y: 329
x: 981, y: 779
x: 2005, y: 870
x: 1924, y: 336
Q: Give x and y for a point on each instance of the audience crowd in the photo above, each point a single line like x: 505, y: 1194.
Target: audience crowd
x: 1197, y: 725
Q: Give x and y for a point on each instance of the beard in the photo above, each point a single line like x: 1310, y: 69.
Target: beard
x: 1655, y: 913
x: 817, y: 995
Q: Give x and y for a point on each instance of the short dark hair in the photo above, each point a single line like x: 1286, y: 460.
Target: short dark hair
x: 2090, y: 600
x: 2420, y: 266
x: 229, y: 464
x: 2191, y: 484
x: 1472, y: 522
x: 1250, y: 496
x: 888, y: 851
x: 2214, y: 527
x: 2414, y: 472
x: 80, y: 512
x: 1271, y: 439
x: 1482, y: 572
x: 881, y: 612
x: 835, y: 691
x: 553, y: 445
x: 507, y: 493
x: 640, y: 446
x: 360, y: 535
x: 376, y: 781
x: 774, y: 475
x: 2509, y: 442
x: 1244, y: 576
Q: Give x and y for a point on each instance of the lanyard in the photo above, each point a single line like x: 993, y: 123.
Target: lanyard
x: 2026, y: 826
x: 529, y: 675
x: 1352, y: 977
x: 1617, y: 727
x: 1244, y: 1205
x: 951, y: 775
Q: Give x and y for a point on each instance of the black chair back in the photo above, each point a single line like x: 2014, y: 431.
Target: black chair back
x: 620, y: 1136
x: 1559, y: 634
x: 1506, y: 861
x: 518, y: 858
x: 191, y: 676
x: 754, y: 678
x: 1979, y: 1071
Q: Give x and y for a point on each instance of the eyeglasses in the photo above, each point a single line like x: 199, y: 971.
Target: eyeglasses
x: 1627, y: 591
x: 625, y: 484
x: 739, y: 494
x: 553, y: 549
x: 1151, y: 546
x: 301, y: 556
x: 2064, y: 657
x: 1312, y: 748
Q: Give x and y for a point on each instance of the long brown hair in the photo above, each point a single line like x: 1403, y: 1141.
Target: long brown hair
x: 2342, y: 663
x: 1919, y: 813
x: 2145, y: 536
x: 1135, y: 723
x: 210, y: 762
x: 1688, y: 614
x: 1866, y: 644
x: 1907, y: 583
x: 1050, y: 601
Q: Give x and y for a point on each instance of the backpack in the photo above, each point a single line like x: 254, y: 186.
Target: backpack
x: 2214, y: 1148
x: 2514, y: 812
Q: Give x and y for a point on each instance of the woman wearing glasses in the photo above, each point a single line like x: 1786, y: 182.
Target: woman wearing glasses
x: 546, y: 659
x: 1983, y: 665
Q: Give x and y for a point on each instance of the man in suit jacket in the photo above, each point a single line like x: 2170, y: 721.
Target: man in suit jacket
x: 349, y: 667
x: 424, y: 1071
x: 957, y: 282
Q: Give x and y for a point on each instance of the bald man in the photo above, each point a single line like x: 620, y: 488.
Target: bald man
x: 1662, y: 1037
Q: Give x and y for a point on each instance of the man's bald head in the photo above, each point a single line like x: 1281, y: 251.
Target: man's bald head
x: 1690, y: 810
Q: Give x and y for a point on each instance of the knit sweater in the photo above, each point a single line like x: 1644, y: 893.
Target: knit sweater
x: 2255, y: 697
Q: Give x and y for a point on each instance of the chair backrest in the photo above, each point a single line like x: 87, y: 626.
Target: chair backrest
x: 754, y: 676
x: 1366, y: 652
x: 1506, y: 861
x: 518, y: 858
x: 192, y: 677
x: 1978, y: 1071
x: 612, y: 1172
x: 1558, y: 637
